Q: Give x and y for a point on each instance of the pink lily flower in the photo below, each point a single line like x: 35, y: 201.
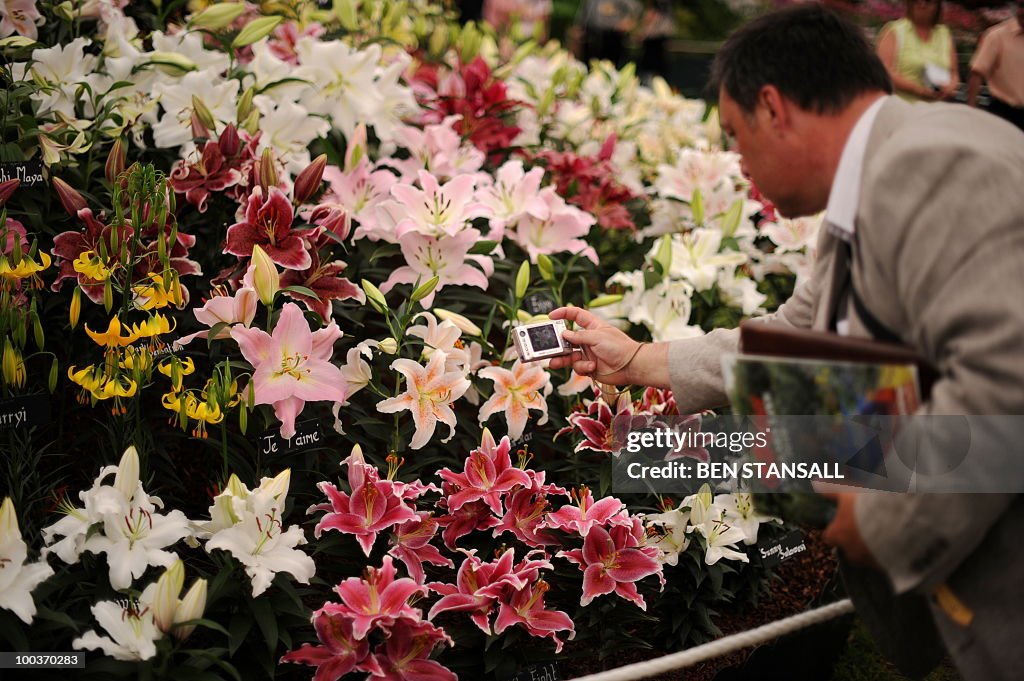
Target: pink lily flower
x: 526, y: 608
x: 586, y: 514
x: 291, y: 366
x: 268, y: 223
x: 603, y: 430
x: 340, y: 653
x: 405, y: 654
x: 437, y: 148
x: 354, y: 195
x: 477, y: 588
x: 411, y: 545
x: 239, y: 308
x: 376, y: 599
x: 562, y: 230
x: 525, y: 518
x: 488, y: 475
x: 473, y: 516
x: 516, y: 392
x: 444, y: 257
x: 514, y: 193
x: 612, y: 562
x: 374, y: 505
x: 429, y: 393
x: 437, y: 210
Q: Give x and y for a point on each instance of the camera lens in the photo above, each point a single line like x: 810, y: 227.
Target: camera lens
x: 522, y: 333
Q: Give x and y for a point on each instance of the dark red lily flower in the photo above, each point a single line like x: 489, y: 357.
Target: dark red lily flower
x: 323, y: 280
x: 268, y: 222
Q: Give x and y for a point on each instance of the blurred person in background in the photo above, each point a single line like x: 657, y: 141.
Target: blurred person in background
x: 605, y: 26
x: 656, y: 28
x: 999, y: 61
x: 919, y: 54
x: 531, y: 16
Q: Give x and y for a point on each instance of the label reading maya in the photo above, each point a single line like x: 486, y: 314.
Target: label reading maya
x: 29, y: 172
x: 33, y: 410
x: 307, y: 435
x: 789, y: 546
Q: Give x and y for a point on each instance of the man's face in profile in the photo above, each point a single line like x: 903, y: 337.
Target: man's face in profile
x: 771, y: 159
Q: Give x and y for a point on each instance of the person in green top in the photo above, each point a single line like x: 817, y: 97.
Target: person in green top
x: 919, y: 53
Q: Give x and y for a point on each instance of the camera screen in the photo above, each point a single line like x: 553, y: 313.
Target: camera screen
x: 543, y: 338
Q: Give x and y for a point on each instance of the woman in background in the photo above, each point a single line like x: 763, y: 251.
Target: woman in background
x: 919, y: 53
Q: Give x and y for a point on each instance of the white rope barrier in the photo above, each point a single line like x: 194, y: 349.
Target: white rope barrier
x: 723, y: 646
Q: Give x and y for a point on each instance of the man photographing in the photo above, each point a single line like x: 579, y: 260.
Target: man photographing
x: 923, y: 243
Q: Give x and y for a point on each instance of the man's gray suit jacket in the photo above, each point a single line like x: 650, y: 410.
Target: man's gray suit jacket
x: 938, y: 259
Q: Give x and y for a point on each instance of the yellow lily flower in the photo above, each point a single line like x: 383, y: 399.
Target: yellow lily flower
x: 136, y: 359
x: 158, y: 293
x: 26, y: 268
x: 89, y: 264
x: 154, y: 326
x: 112, y: 338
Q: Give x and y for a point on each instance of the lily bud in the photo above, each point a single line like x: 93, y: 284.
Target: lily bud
x: 230, y: 143
x: 663, y: 256
x: 190, y: 608
x: 265, y: 277
x: 66, y: 11
x: 218, y: 15
x: 465, y: 326
x: 388, y: 346
x: 126, y: 480
x: 256, y: 30
x: 245, y: 104
x: 251, y: 124
x: 607, y: 299
x: 10, y: 362
x: 733, y: 216
x: 115, y: 160
x: 345, y: 11
x: 268, y: 172
x: 8, y: 520
x: 165, y: 601
x: 235, y: 487
x: 16, y: 42
x: 697, y: 206
x: 7, y: 189
x: 523, y: 279
x: 203, y: 112
x: 69, y: 198
x: 469, y: 43
x: 172, y: 63
x: 308, y: 181
x: 424, y: 289
x: 356, y: 147
x: 277, y: 486
x: 199, y: 130
x: 374, y: 295
x: 546, y: 267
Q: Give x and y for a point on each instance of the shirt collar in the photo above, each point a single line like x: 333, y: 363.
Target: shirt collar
x: 841, y: 210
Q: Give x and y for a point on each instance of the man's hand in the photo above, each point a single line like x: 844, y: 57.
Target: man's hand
x: 604, y: 348
x: 843, y: 533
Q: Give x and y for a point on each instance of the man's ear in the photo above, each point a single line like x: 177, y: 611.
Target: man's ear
x: 774, y: 108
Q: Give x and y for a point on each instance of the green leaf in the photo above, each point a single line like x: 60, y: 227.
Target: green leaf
x: 482, y: 247
x: 239, y: 629
x: 732, y: 218
x: 302, y: 290
x: 266, y: 620
x: 214, y: 331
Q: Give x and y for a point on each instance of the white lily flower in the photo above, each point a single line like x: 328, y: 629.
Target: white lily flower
x: 133, y: 534
x: 673, y: 538
x: 696, y: 257
x: 738, y: 510
x: 721, y: 542
x: 258, y: 540
x: 131, y: 628
x: 169, y: 611
x: 17, y: 577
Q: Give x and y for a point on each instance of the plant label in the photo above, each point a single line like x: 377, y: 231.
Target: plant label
x: 307, y: 436
x: 29, y: 172
x: 538, y: 672
x: 776, y: 552
x: 32, y: 410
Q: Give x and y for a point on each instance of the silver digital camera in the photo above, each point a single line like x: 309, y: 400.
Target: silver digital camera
x: 542, y: 340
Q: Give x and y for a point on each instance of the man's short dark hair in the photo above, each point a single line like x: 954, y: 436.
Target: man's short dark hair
x: 812, y: 55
